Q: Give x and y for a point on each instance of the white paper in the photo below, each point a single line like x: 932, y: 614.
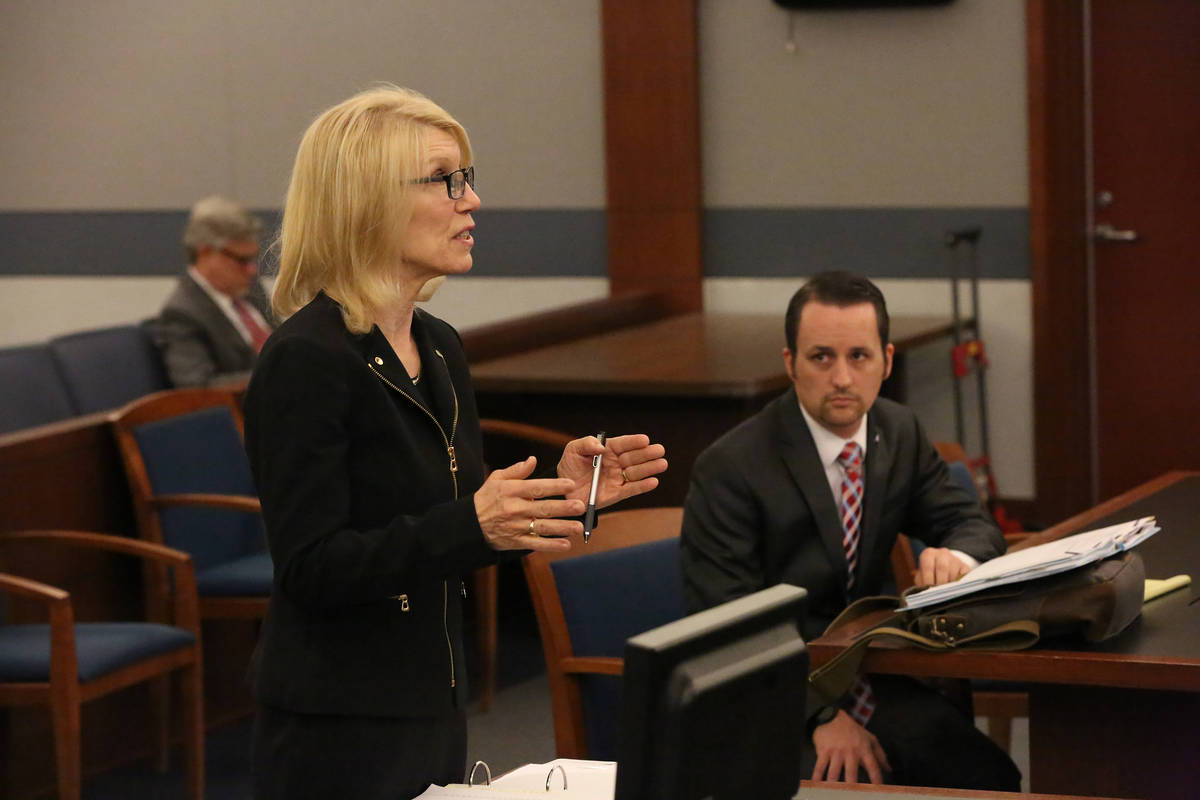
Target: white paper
x: 586, y: 780
x: 1039, y: 561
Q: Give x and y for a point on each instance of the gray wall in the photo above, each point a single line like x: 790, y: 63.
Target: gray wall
x: 860, y: 148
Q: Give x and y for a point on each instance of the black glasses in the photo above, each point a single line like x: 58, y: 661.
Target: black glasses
x: 456, y: 182
x: 245, y: 261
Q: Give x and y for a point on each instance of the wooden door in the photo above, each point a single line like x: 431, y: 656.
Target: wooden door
x: 1145, y: 71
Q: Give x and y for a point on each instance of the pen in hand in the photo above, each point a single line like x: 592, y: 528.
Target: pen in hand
x: 589, y: 519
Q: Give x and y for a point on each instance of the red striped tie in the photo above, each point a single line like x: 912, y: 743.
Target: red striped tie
x: 258, y: 334
x: 852, y: 493
x: 862, y: 697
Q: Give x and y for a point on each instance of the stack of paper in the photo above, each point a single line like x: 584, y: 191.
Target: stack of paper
x: 1038, y: 562
x: 585, y: 780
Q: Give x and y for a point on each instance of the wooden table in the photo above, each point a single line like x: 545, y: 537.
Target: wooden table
x: 1120, y: 718
x: 684, y: 380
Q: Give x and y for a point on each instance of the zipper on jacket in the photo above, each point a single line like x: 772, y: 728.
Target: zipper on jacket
x: 449, y: 442
x: 453, y: 421
x: 446, y: 629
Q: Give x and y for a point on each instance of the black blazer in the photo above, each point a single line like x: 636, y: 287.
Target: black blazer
x: 367, y: 497
x: 759, y: 511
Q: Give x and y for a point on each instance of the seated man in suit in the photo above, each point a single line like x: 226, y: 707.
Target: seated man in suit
x: 216, y: 320
x: 812, y: 491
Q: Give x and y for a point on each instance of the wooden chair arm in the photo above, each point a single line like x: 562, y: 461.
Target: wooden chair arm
x: 101, y: 541
x: 593, y: 665
x: 231, y: 502
x: 64, y: 665
x: 520, y: 430
x: 1019, y: 540
x: 186, y: 602
x: 34, y: 590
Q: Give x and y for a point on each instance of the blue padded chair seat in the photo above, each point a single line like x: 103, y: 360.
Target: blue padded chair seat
x: 642, y: 587
x: 100, y: 648
x: 248, y: 575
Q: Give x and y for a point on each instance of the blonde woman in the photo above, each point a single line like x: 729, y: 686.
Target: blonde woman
x: 363, y: 434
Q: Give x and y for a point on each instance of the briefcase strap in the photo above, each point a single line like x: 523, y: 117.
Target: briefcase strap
x: 834, y: 678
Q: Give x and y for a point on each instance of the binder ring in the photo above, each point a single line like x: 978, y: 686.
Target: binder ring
x: 487, y: 778
x: 550, y: 774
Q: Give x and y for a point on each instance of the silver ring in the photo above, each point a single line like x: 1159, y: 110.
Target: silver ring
x: 532, y: 532
x: 550, y: 774
x: 487, y: 777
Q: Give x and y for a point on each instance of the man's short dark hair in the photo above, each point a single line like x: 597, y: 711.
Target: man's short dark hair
x: 836, y: 288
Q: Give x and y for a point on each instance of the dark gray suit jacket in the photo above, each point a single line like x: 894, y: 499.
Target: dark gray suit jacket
x: 759, y: 511
x: 200, y: 346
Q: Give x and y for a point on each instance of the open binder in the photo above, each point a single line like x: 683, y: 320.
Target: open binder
x: 1039, y: 561
x: 560, y: 779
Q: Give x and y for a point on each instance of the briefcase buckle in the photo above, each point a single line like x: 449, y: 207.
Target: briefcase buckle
x: 946, y: 628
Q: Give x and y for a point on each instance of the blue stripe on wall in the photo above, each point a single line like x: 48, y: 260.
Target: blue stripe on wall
x: 96, y: 243
x: 738, y: 242
x: 880, y: 242
x: 541, y: 243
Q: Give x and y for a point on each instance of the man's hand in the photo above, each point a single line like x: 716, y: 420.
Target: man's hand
x: 939, y: 565
x: 842, y: 747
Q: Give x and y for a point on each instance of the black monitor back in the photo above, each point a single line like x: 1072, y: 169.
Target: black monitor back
x: 713, y: 705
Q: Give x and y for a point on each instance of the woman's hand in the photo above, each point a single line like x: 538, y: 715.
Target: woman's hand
x: 629, y: 466
x: 514, y: 516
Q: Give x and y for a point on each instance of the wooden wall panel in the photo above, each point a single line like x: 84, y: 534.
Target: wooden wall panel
x: 652, y: 148
x: 1058, y: 220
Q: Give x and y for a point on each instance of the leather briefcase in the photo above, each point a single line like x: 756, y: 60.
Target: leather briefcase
x: 1096, y: 601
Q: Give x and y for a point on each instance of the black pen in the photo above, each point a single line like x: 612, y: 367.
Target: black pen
x: 589, y: 519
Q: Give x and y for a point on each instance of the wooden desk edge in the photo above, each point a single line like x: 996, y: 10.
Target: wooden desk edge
x: 1069, y: 667
x: 921, y: 792
x: 1083, y: 519
x: 602, y: 386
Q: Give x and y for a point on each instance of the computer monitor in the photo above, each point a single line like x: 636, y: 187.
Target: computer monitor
x: 713, y: 704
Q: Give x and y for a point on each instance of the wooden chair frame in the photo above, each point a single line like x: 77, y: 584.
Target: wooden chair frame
x: 486, y: 581
x: 617, y: 529
x: 64, y: 693
x: 148, y: 506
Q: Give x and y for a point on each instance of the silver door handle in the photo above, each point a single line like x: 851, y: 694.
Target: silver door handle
x: 1107, y: 233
